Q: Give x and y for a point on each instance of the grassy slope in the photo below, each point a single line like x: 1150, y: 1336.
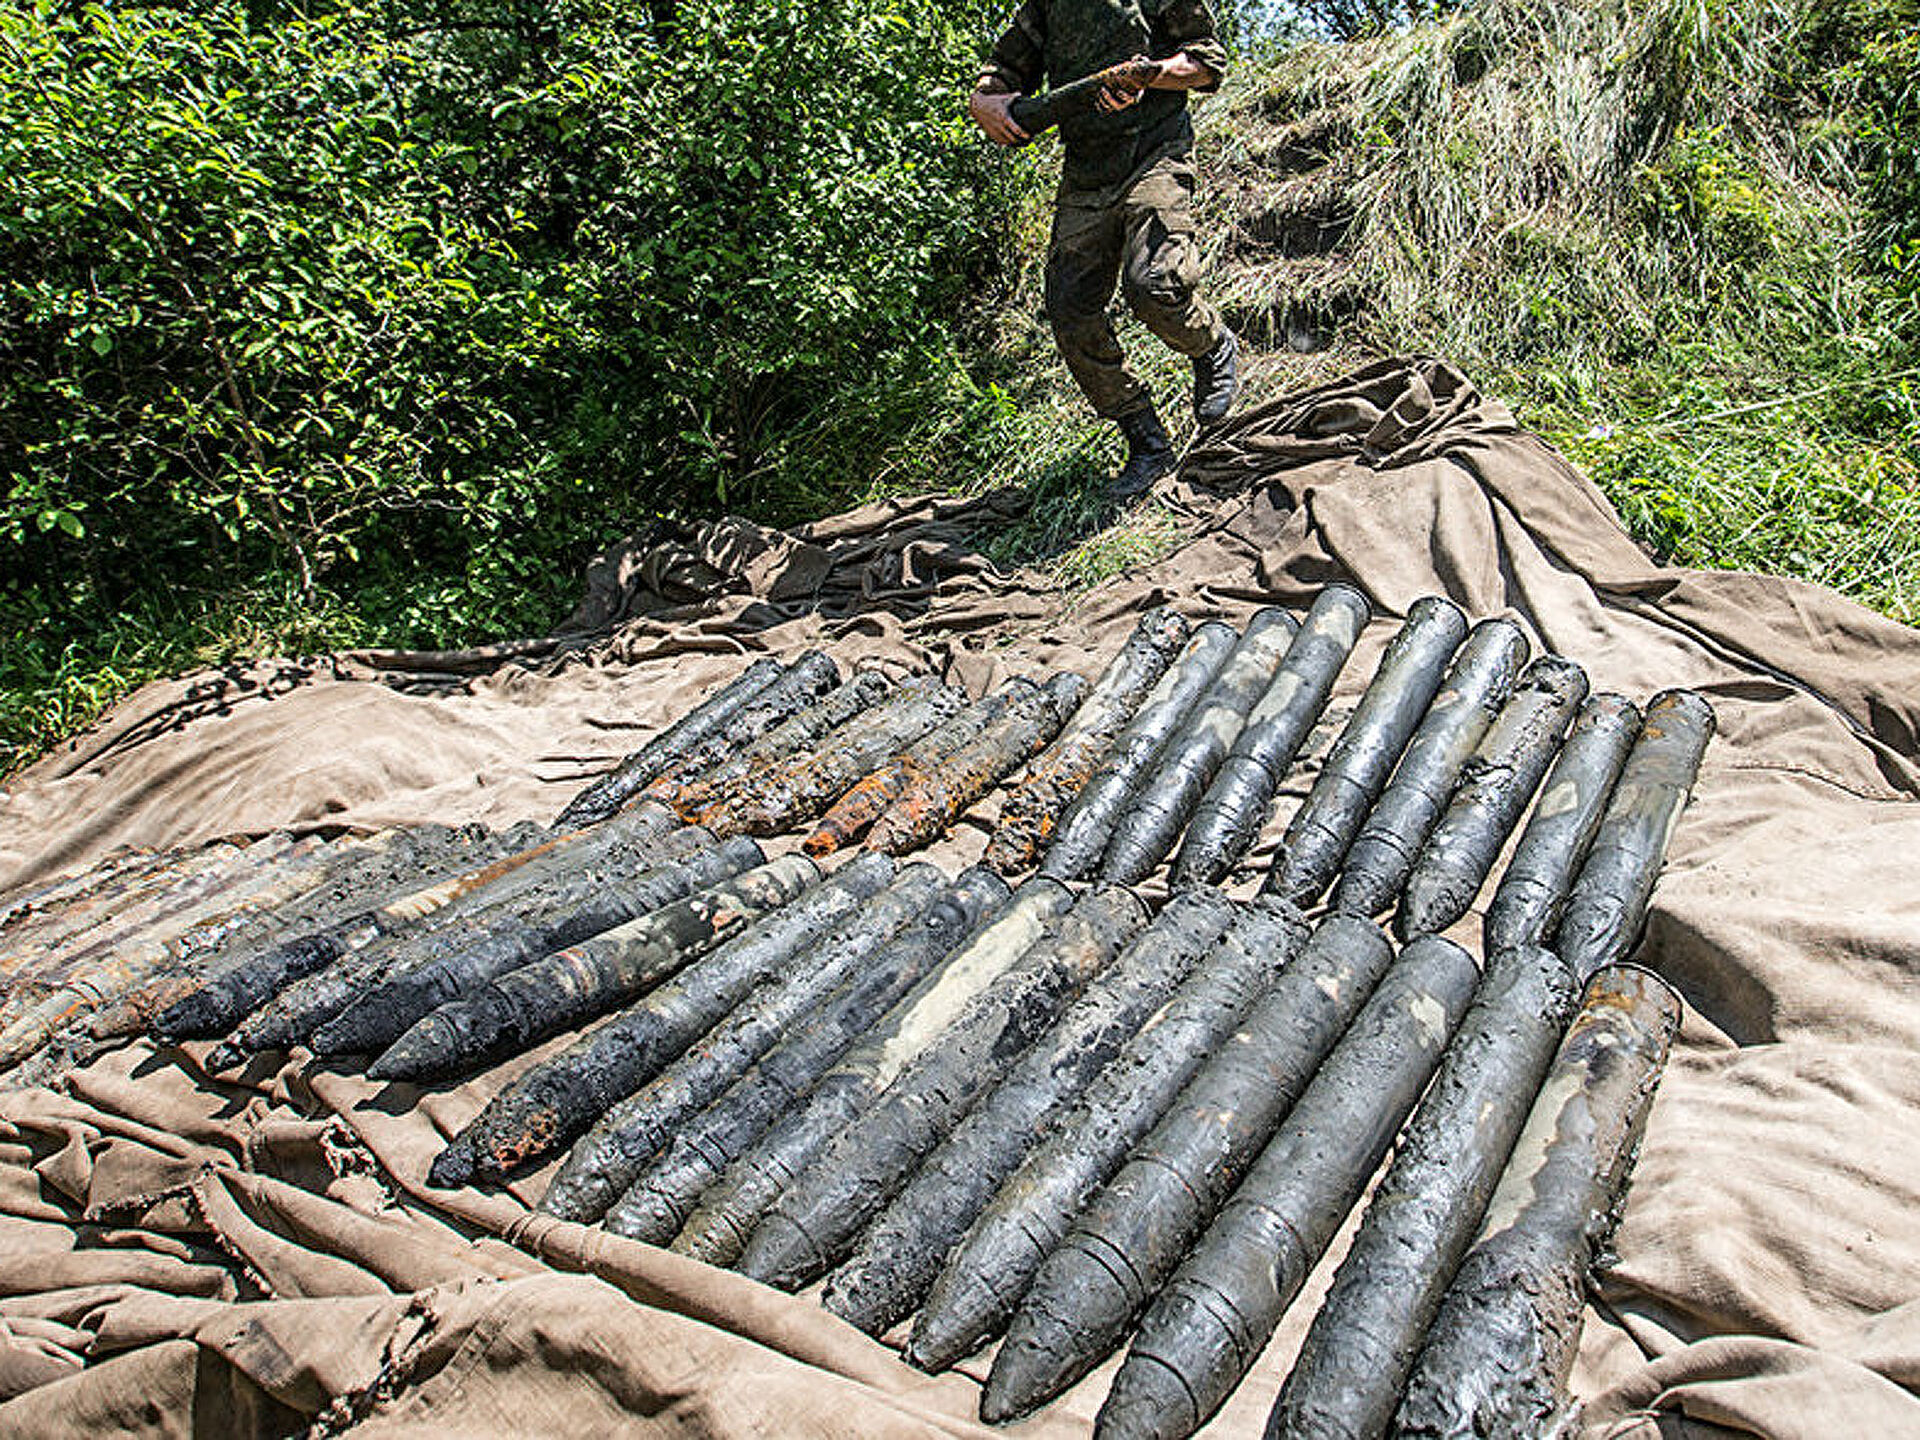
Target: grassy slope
x: 1646, y: 227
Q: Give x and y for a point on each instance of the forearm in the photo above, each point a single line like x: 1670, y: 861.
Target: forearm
x: 1182, y: 72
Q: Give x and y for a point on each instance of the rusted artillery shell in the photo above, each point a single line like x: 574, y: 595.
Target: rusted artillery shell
x: 1081, y: 836
x: 1532, y: 893
x: 862, y: 691
x: 901, y: 1253
x: 559, y: 1099
x: 1360, y: 761
x: 1027, y: 818
x: 814, y: 1224
x: 849, y: 816
x: 1187, y: 763
x: 1477, y: 685
x: 1423, y: 1214
x: 577, y: 984
x: 73, y: 985
x: 1204, y: 1331
x: 756, y: 1181
x: 565, y: 911
x: 371, y: 1007
x: 988, y: 1273
x: 926, y: 808
x: 220, y: 1004
x: 292, y: 1016
x: 1230, y: 814
x: 708, y: 1144
x: 811, y: 675
x: 1607, y: 909
x: 1498, y: 1354
x: 612, y: 790
x: 1135, y: 1231
x: 814, y: 781
x: 1498, y: 782
x: 606, y: 1160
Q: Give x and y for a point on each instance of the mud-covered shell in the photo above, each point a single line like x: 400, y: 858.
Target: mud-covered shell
x: 1030, y: 812
x: 1476, y: 686
x: 1205, y: 1329
x: 816, y: 953
x: 607, y: 794
x: 1499, y: 1352
x: 901, y: 1253
x: 1187, y: 763
x: 1424, y: 1212
x: 1086, y: 825
x: 1135, y: 1231
x: 1527, y: 905
x: 1230, y: 814
x: 1357, y: 767
x: 1607, y: 907
x: 989, y: 1271
x: 685, y: 1188
x: 1494, y: 790
x: 814, y: 1224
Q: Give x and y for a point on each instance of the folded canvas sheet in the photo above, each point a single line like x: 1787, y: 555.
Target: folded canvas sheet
x: 264, y: 1254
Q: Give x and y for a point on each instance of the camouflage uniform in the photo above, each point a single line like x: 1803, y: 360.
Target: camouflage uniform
x: 1124, y: 211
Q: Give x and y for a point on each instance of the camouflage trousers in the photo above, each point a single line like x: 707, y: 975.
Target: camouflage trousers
x: 1143, y: 241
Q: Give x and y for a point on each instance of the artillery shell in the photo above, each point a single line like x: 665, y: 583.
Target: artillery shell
x: 606, y: 1160
x: 707, y: 1145
x: 757, y: 1180
x: 220, y: 1004
x: 1081, y: 836
x: 1027, y: 818
x: 577, y: 984
x: 926, y: 808
x: 850, y: 815
x: 781, y: 744
x: 1497, y: 1357
x: 1477, y: 685
x: 901, y: 1253
x: 1204, y: 1331
x: 1230, y: 814
x: 294, y: 1015
x: 1423, y: 1214
x: 811, y: 675
x: 1190, y: 759
x: 1135, y: 1231
x: 1533, y: 891
x: 814, y: 781
x: 607, y: 794
x: 566, y: 910
x: 988, y: 1273
x: 1607, y: 909
x: 1357, y: 767
x: 814, y: 1224
x: 1498, y: 782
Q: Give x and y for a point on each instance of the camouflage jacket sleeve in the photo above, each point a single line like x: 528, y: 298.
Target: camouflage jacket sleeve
x: 1017, y: 61
x: 1187, y: 25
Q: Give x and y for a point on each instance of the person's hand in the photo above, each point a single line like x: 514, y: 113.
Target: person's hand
x: 1126, y: 89
x: 993, y: 114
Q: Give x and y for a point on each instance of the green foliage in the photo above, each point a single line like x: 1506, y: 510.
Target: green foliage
x: 420, y: 301
x: 1681, y: 236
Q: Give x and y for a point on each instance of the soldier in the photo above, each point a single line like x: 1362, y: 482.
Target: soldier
x: 1124, y: 210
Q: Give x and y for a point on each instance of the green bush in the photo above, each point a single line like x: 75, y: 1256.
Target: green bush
x: 417, y: 302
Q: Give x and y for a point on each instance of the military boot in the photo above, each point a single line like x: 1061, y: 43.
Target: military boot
x: 1149, y: 455
x: 1216, y: 380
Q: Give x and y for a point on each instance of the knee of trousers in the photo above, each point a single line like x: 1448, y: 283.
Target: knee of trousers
x: 1165, y: 285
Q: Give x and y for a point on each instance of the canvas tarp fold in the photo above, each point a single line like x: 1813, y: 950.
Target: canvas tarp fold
x: 175, y: 1248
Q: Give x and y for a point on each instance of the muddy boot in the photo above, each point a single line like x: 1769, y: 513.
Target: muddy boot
x: 1216, y: 380
x: 1149, y: 455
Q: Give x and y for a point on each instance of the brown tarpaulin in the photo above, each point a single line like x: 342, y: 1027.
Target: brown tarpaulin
x: 263, y: 1254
